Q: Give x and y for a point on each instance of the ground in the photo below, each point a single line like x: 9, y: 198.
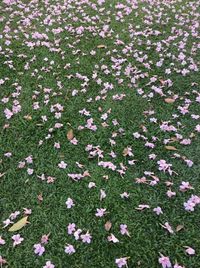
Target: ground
x: 100, y: 109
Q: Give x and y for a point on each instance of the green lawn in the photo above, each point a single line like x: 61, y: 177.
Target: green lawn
x: 122, y: 75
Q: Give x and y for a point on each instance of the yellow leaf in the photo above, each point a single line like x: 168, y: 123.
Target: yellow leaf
x: 70, y: 134
x: 168, y: 100
x: 170, y: 148
x: 19, y: 225
x: 101, y: 46
x: 108, y: 225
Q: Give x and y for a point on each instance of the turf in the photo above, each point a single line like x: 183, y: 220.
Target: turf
x: 26, y: 67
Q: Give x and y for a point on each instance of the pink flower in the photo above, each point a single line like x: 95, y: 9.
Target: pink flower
x: 178, y: 266
x: 190, y: 251
x: 74, y: 141
x: 113, y: 238
x: 185, y: 142
x: 91, y: 185
x: 17, y: 239
x: 164, y: 166
x: 124, y: 230
x: 2, y: 241
x: 185, y: 186
x: 21, y: 164
x: 189, y: 162
x: 102, y: 194
x: 77, y: 234
x: 165, y: 262
x: 192, y: 202
x: 29, y: 159
x: 69, y: 203
x: 30, y: 171
x: 14, y: 215
x: 49, y: 265
x: 45, y: 239
x: 71, y: 228
x: 170, y: 193
x: 125, y: 195
x: 27, y: 211
x: 86, y: 238
x: 197, y: 128
x: 8, y: 154
x: 57, y: 145
x: 39, y: 249
x: 121, y: 262
x: 69, y: 249
x: 142, y: 207
x: 8, y: 113
x: 2, y: 261
x: 100, y: 212
x: 7, y: 222
x: 62, y: 165
x: 152, y: 156
x: 158, y: 210
x: 168, y: 227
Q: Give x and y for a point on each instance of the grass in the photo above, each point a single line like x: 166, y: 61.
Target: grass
x: 19, y: 190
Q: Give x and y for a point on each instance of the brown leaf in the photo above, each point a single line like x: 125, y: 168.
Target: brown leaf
x: 104, y: 124
x: 169, y: 100
x: 101, y: 46
x: 125, y: 152
x: 108, y: 226
x: 173, y: 139
x: 70, y: 134
x: 179, y: 228
x: 170, y: 148
x: 162, y: 82
x: 28, y: 117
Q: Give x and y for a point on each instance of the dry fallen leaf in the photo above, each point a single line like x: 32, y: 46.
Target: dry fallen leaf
x: 108, y: 226
x: 19, y: 225
x: 125, y: 152
x: 162, y: 82
x: 70, y: 134
x: 28, y: 117
x: 179, y: 228
x: 170, y: 148
x: 2, y: 174
x: 104, y: 124
x: 168, y: 100
x: 173, y: 139
x: 101, y: 46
